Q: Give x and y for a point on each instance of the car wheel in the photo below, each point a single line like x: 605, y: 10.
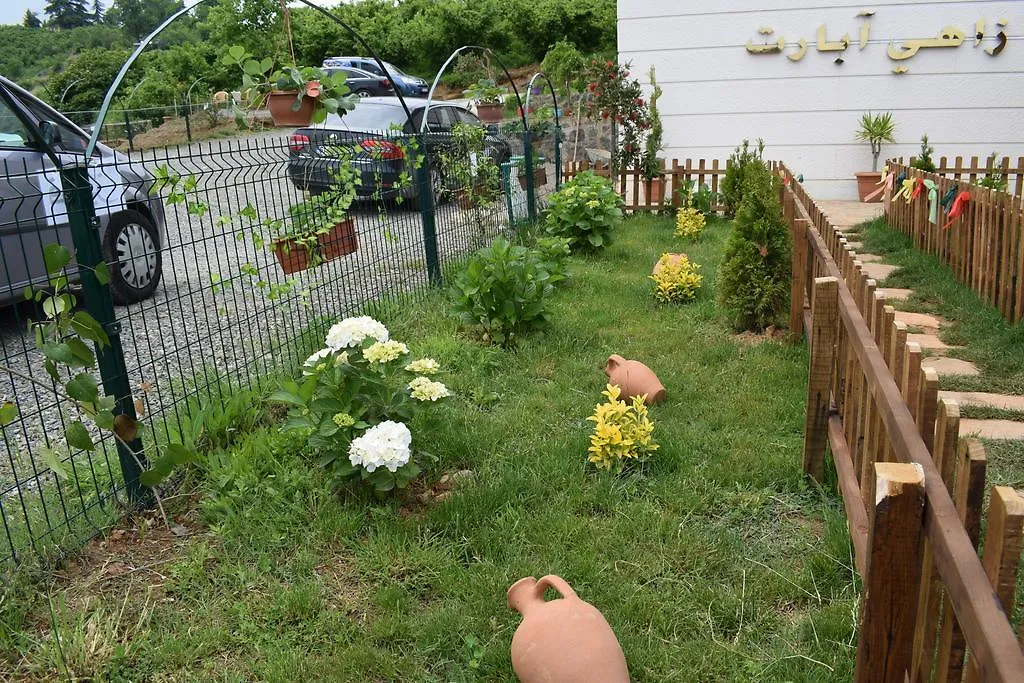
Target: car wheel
x: 131, y: 248
x: 363, y: 92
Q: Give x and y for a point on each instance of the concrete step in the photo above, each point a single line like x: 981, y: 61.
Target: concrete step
x: 981, y: 398
x: 878, y: 271
x: 1005, y: 430
x: 950, y: 366
x: 869, y: 258
x: 930, y: 341
x: 923, y: 320
x: 895, y: 293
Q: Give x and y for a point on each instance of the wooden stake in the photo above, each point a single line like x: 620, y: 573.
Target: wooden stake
x: 823, y: 355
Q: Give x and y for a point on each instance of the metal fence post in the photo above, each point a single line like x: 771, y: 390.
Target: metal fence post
x: 427, y: 211
x: 98, y: 302
x: 128, y: 131
x: 188, y: 125
x: 531, y: 198
x: 558, y: 158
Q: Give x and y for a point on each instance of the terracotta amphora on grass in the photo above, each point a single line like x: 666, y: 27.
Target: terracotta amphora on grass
x: 634, y: 379
x: 563, y: 641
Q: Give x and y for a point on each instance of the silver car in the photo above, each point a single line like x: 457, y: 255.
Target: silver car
x: 33, y: 212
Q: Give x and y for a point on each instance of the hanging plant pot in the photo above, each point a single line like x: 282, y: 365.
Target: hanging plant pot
x: 292, y: 256
x: 340, y: 241
x: 281, y: 105
x: 655, y: 189
x: 540, y: 178
x: 489, y: 113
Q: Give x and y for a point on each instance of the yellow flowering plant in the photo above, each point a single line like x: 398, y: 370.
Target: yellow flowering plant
x: 623, y: 433
x: 689, y: 223
x: 676, y: 278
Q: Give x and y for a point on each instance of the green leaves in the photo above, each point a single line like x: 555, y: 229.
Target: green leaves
x: 585, y: 211
x: 172, y: 456
x: 77, y: 436
x: 55, y: 257
x: 8, y: 413
x: 83, y: 388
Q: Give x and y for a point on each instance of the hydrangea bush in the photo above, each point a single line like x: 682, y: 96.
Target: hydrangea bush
x: 584, y: 211
x: 356, y: 398
x: 623, y: 433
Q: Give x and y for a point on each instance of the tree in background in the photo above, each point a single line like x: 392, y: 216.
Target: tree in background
x: 31, y: 19
x: 66, y: 14
x: 256, y: 25
x: 97, y: 11
x: 138, y: 17
x: 91, y: 72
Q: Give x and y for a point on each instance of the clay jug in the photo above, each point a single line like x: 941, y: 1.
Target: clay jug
x: 672, y: 260
x: 634, y: 379
x: 562, y: 641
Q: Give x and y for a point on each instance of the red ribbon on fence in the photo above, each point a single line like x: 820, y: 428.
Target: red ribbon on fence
x: 918, y: 187
x: 958, y: 208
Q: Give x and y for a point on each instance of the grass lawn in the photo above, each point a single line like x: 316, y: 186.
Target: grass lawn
x: 714, y: 562
x: 994, y: 345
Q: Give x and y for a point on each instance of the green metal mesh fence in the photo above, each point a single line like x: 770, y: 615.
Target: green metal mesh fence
x: 208, y: 308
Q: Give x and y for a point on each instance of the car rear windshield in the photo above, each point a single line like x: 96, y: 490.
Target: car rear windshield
x: 368, y: 117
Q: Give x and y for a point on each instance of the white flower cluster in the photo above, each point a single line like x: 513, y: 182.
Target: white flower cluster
x: 386, y: 445
x: 385, y: 352
x: 352, y: 331
x: 424, y: 389
x: 423, y: 366
x: 310, y: 366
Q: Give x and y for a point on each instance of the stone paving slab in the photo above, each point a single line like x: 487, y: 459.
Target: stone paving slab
x: 855, y: 245
x: 982, y: 398
x: 895, y: 293
x: 878, y: 271
x: 845, y: 213
x: 869, y: 258
x: 930, y: 341
x: 1006, y: 430
x: 923, y: 320
x: 951, y: 366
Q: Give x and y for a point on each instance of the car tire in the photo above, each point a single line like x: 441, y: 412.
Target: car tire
x: 131, y: 248
x: 363, y: 92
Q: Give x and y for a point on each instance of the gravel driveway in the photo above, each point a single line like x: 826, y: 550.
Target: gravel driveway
x: 210, y: 324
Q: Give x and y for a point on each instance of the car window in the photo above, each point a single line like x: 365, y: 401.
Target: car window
x: 13, y: 132
x: 371, y: 67
x: 71, y: 140
x: 354, y: 73
x: 465, y: 116
x: 438, y: 119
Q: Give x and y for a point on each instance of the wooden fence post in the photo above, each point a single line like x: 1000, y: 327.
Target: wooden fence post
x: 889, y: 606
x: 825, y: 323
x: 799, y: 229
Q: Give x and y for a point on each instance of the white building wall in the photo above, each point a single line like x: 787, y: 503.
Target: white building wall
x: 716, y: 93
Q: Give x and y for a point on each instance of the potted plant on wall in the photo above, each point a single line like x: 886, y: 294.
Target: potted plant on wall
x: 488, y: 97
x: 874, y: 129
x: 465, y: 165
x: 540, y: 173
x: 652, y: 167
x: 294, y: 95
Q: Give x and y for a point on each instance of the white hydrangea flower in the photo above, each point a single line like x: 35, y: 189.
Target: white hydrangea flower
x: 352, y: 331
x: 385, y: 445
x: 423, y: 366
x: 385, y: 352
x: 424, y: 389
x: 310, y: 366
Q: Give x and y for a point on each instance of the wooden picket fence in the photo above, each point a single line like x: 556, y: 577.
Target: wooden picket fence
x: 632, y: 186
x: 971, y: 171
x: 912, y: 491
x: 984, y: 246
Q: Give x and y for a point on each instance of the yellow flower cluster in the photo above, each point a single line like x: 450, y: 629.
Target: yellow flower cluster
x: 384, y: 352
x: 423, y: 366
x: 678, y: 281
x: 689, y: 223
x: 343, y: 420
x: 622, y: 432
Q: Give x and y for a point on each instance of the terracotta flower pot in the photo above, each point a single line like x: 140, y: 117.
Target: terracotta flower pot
x: 867, y: 182
x: 673, y: 259
x: 655, y: 189
x: 490, y: 113
x: 540, y: 178
x: 634, y: 379
x: 340, y: 241
x: 465, y: 199
x: 292, y: 256
x: 280, y: 104
x: 565, y: 640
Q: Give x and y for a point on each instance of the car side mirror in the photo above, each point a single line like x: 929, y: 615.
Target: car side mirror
x: 50, y: 133
x: 492, y: 129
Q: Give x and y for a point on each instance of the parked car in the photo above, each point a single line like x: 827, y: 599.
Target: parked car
x: 373, y: 131
x: 413, y: 86
x: 32, y: 209
x: 364, y: 83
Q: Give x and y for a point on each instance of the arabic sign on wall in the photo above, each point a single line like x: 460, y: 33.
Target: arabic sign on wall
x: 992, y: 41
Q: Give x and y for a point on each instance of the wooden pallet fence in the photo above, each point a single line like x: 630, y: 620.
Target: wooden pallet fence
x: 971, y: 170
x: 632, y: 186
x: 912, y: 491
x: 983, y: 247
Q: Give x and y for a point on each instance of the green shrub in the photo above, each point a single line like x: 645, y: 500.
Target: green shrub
x: 502, y: 292
x: 585, y: 211
x: 754, y: 276
x: 689, y: 223
x: 676, y: 278
x: 733, y: 183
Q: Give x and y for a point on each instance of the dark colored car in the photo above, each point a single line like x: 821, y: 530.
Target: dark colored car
x: 413, y: 86
x: 364, y: 83
x: 33, y: 212
x: 376, y: 135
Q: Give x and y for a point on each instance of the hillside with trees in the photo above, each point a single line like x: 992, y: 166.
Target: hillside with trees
x: 75, y: 48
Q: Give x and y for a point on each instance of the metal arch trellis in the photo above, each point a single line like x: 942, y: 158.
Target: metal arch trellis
x: 558, y: 122
x: 447, y: 63
x: 109, y: 97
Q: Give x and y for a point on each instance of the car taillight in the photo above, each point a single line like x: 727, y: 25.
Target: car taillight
x: 298, y: 142
x: 385, y: 83
x: 382, y: 149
